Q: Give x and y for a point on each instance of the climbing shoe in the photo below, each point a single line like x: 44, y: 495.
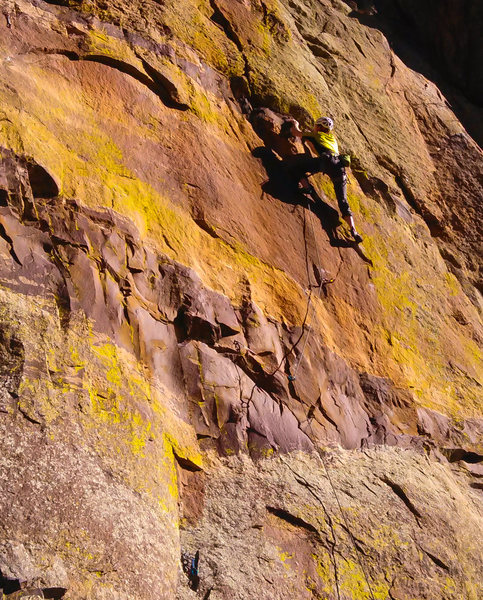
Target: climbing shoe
x: 357, y: 237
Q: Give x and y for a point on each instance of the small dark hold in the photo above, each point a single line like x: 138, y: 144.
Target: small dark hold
x: 9, y: 585
x: 55, y: 593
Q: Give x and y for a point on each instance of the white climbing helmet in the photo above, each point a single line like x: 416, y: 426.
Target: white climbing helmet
x: 325, y: 122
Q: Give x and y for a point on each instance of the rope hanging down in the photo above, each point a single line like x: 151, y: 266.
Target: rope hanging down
x: 323, y: 282
x: 292, y: 377
x: 310, y: 305
x: 320, y: 454
x: 360, y: 560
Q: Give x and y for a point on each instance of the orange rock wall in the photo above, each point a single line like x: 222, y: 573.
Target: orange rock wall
x: 165, y: 329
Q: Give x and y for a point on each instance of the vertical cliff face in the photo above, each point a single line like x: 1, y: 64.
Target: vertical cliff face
x: 194, y: 355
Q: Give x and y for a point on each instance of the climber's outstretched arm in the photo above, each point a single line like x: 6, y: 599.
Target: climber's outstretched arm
x: 296, y: 131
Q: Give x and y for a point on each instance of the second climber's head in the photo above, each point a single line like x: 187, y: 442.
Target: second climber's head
x: 324, y: 124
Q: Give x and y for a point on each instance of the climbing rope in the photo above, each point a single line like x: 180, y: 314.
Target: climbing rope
x: 320, y: 454
x: 310, y: 310
x: 323, y: 282
x: 309, y: 306
x: 333, y: 543
x: 360, y: 560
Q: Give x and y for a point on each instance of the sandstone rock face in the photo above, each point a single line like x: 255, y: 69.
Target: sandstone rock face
x: 276, y: 530
x: 197, y: 358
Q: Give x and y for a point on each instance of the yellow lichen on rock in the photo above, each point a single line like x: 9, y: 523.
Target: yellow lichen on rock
x: 178, y: 331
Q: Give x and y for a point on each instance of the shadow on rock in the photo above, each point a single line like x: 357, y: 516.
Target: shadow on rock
x: 282, y: 186
x: 14, y: 589
x: 8, y: 585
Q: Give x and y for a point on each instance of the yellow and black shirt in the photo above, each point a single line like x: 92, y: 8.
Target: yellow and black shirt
x: 323, y: 142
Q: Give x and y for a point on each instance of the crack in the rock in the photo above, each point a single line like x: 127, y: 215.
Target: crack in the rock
x: 260, y: 434
x: 397, y: 489
x: 206, y: 227
x: 167, y: 89
x: 260, y: 378
x: 403, y: 185
x: 371, y: 490
x: 28, y: 417
x: 457, y: 454
x: 435, y: 227
x: 293, y: 520
x: 8, y: 239
x: 219, y: 18
x: 369, y: 143
x: 154, y: 81
x: 437, y: 561
x: 326, y: 415
x: 476, y: 485
x: 359, y: 47
x: 186, y: 463
x: 331, y: 543
x: 358, y: 543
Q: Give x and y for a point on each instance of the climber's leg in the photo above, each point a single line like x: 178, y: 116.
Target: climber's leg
x: 339, y: 180
x: 298, y: 166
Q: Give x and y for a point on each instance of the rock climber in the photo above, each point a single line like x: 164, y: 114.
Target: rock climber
x: 321, y: 141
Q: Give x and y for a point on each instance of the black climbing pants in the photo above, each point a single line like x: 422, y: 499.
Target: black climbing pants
x: 300, y: 165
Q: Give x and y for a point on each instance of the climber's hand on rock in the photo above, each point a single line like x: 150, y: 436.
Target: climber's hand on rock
x: 296, y: 131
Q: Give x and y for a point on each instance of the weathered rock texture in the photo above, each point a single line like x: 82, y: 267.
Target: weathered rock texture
x: 181, y: 333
